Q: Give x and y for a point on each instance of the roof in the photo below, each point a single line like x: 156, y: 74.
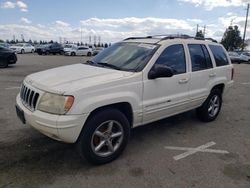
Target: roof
x: 157, y: 39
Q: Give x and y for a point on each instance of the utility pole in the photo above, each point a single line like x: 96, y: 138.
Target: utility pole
x: 204, y: 31
x: 197, y: 29
x: 245, y: 27
x: 81, y: 34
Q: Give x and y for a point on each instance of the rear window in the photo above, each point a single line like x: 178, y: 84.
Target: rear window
x: 219, y: 55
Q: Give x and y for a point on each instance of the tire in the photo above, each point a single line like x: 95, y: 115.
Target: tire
x: 73, y: 53
x: 32, y: 51
x: 96, y: 133
x: 210, y: 109
x: 89, y: 54
x: 4, y: 64
x: 22, y: 51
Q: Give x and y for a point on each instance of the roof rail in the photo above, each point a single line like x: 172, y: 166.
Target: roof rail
x: 148, y: 37
x: 171, y: 36
x: 213, y: 40
x: 179, y: 36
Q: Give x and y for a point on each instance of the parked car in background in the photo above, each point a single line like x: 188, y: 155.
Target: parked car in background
x: 246, y: 56
x: 97, y: 50
x: 53, y: 48
x: 3, y: 44
x: 68, y: 47
x: 245, y: 53
x: 79, y: 51
x: 7, y: 56
x: 235, y: 57
x: 23, y: 48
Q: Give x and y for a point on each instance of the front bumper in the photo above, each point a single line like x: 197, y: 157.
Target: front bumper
x: 64, y: 128
x: 12, y: 58
x: 67, y: 53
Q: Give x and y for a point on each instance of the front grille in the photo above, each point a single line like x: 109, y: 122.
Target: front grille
x: 29, y: 97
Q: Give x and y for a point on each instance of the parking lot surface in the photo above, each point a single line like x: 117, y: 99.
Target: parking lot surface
x: 179, y: 151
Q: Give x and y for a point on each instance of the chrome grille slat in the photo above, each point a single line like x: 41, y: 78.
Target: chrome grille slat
x: 29, y: 97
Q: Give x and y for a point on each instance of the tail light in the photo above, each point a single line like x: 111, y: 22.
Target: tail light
x: 232, y: 74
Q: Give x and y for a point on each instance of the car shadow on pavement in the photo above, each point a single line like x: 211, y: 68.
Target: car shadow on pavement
x: 38, y: 161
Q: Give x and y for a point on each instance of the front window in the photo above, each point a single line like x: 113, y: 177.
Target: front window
x: 173, y: 57
x: 126, y: 56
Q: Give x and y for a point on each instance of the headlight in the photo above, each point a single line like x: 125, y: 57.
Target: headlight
x: 55, y: 104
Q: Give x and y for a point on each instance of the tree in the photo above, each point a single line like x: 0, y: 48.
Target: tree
x: 1, y: 40
x: 199, y: 34
x: 231, y: 39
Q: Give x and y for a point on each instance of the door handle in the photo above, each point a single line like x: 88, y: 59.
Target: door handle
x: 183, y: 81
x: 212, y: 75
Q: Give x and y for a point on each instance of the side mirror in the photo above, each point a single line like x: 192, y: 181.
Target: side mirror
x: 160, y: 71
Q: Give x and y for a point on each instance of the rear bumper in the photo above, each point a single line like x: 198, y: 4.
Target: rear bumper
x: 228, y: 86
x: 64, y: 128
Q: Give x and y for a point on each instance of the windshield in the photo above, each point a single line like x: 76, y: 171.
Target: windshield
x: 19, y: 45
x: 68, y: 46
x: 126, y: 56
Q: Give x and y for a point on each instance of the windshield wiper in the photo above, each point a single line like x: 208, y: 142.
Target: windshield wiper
x: 109, y: 65
x: 90, y: 62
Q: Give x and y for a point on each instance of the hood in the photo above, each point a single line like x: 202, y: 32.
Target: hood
x: 73, y: 77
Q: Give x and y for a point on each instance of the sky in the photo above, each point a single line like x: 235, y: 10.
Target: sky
x: 114, y: 20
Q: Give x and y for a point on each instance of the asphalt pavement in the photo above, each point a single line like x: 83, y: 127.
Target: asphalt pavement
x: 175, y: 152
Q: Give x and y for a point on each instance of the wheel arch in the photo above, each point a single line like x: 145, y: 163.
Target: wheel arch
x: 219, y: 86
x: 124, y: 107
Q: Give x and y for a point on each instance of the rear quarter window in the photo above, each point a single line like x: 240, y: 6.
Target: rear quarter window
x: 219, y: 55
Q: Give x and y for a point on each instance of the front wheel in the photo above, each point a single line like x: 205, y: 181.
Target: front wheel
x: 104, y: 136
x: 211, y: 107
x: 89, y: 54
x: 4, y: 64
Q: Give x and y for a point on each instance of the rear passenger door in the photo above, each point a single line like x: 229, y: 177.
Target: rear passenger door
x: 202, y: 73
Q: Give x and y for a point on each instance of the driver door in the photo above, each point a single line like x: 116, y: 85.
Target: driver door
x: 163, y: 97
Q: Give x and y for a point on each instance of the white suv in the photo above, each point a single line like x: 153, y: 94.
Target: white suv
x: 133, y: 82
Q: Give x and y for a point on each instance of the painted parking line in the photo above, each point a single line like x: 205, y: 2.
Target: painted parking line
x: 245, y: 83
x: 10, y: 88
x: 191, y: 151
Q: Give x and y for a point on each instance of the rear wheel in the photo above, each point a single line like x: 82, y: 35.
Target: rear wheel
x: 104, y: 136
x: 89, y: 54
x: 211, y: 107
x: 22, y: 51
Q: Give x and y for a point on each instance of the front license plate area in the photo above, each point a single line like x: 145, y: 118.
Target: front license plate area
x: 20, y: 114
